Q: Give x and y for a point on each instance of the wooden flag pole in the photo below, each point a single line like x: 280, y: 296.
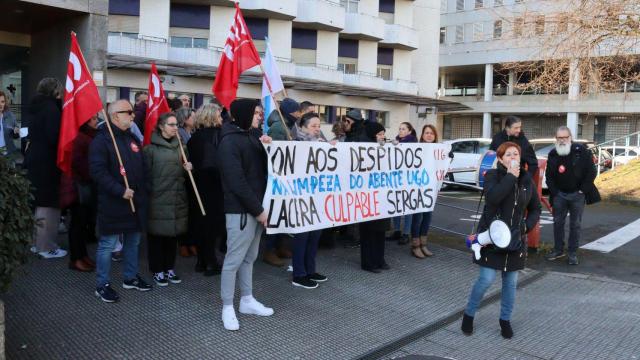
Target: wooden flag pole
x: 286, y: 128
x: 193, y: 182
x: 115, y: 146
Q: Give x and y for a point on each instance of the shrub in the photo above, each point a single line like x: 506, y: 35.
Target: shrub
x: 16, y: 220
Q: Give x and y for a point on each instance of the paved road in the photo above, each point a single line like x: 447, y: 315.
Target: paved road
x: 414, y: 308
x: 599, y: 220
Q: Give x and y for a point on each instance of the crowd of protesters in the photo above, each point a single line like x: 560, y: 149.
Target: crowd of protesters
x: 223, y: 148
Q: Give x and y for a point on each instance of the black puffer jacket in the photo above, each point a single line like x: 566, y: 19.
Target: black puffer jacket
x: 528, y: 155
x: 243, y: 169
x: 357, y: 133
x: 507, y: 198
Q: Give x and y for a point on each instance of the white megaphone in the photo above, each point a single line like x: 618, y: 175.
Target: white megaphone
x: 498, y: 234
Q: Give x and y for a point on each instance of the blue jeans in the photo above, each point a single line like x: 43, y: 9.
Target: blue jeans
x: 106, y: 244
x: 305, y: 248
x: 420, y: 224
x: 406, y: 229
x: 486, y: 278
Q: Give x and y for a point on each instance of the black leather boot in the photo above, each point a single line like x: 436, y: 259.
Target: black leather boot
x: 467, y: 324
x: 506, y: 330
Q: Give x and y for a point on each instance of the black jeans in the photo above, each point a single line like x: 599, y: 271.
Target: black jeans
x: 162, y: 252
x: 208, y: 229
x: 81, y: 230
x: 573, y: 203
x: 371, y: 247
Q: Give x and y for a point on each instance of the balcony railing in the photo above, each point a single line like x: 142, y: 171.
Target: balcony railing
x: 157, y: 50
x: 327, y: 14
x: 400, y: 35
x: 364, y: 26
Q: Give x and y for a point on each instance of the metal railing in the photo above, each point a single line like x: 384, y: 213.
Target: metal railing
x: 629, y: 143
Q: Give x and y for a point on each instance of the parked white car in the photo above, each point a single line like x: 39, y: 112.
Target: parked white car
x: 624, y: 154
x: 466, y: 159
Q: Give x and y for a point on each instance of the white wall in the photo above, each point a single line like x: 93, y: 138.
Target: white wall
x: 327, y: 50
x: 404, y: 13
x: 425, y: 60
x: 369, y: 7
x: 280, y: 37
x: 368, y: 56
x: 401, y: 64
x: 220, y: 24
x: 154, y: 18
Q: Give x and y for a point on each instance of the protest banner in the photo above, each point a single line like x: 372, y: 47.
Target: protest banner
x: 316, y: 185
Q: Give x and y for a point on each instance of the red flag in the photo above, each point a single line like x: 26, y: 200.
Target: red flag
x: 239, y: 55
x: 157, y: 104
x: 81, y: 102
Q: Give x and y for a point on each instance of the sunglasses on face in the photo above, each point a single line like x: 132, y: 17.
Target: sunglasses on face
x: 129, y: 112
x: 171, y: 124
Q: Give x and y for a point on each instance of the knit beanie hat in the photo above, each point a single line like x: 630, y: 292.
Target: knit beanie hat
x: 372, y: 128
x: 288, y: 106
x: 242, y: 112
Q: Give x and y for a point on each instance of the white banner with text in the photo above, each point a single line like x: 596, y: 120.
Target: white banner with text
x: 316, y: 185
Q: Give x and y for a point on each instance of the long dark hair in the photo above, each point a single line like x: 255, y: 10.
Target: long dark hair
x: 410, y: 127
x: 510, y: 120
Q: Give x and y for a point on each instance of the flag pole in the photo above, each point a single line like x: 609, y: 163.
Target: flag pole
x: 193, y: 183
x: 115, y: 146
x: 266, y: 78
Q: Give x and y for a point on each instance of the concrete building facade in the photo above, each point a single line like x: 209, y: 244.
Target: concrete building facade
x: 477, y: 36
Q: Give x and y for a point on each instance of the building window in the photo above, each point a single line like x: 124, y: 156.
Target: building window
x: 348, y: 68
x: 189, y: 16
x: 497, y: 3
x: 479, y: 4
x: 258, y: 27
x: 478, y: 32
x: 189, y: 42
x: 443, y: 35
x: 124, y: 7
x: 497, y: 29
x: 459, y: 5
x: 384, y: 71
x: 540, y: 25
x: 459, y: 34
x: 351, y: 6
x: 518, y: 24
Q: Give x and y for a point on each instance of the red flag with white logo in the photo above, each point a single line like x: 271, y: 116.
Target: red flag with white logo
x: 81, y: 102
x: 239, y: 55
x: 157, y: 104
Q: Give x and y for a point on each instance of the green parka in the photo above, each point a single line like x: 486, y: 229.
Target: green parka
x: 168, y: 202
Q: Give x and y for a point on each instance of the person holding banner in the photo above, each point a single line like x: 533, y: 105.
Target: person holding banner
x: 115, y: 220
x: 406, y: 134
x: 511, y: 197
x: 372, y: 232
x: 244, y: 181
x: 169, y: 205
x: 305, y: 245
x: 203, y: 149
x: 420, y: 222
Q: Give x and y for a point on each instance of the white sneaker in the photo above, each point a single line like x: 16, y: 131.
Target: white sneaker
x: 229, y: 319
x: 249, y: 305
x: 57, y: 253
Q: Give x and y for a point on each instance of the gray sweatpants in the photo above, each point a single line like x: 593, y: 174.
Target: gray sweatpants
x: 243, y: 242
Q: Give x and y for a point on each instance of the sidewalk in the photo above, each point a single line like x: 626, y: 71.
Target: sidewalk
x: 51, y: 313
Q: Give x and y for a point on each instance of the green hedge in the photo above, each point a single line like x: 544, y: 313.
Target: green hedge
x: 16, y: 220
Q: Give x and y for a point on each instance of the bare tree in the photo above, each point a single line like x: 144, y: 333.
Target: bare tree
x: 600, y: 39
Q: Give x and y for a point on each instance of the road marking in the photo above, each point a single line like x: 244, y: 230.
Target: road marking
x: 615, y: 239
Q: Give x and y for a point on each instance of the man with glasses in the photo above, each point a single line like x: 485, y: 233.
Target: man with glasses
x: 354, y: 126
x: 115, y: 218
x: 570, y: 174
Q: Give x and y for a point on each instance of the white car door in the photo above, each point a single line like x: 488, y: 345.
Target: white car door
x: 465, y: 157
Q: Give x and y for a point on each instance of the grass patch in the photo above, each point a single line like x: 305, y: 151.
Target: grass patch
x: 621, y: 184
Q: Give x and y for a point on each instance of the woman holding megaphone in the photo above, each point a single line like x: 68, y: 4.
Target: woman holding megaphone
x: 511, y: 197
